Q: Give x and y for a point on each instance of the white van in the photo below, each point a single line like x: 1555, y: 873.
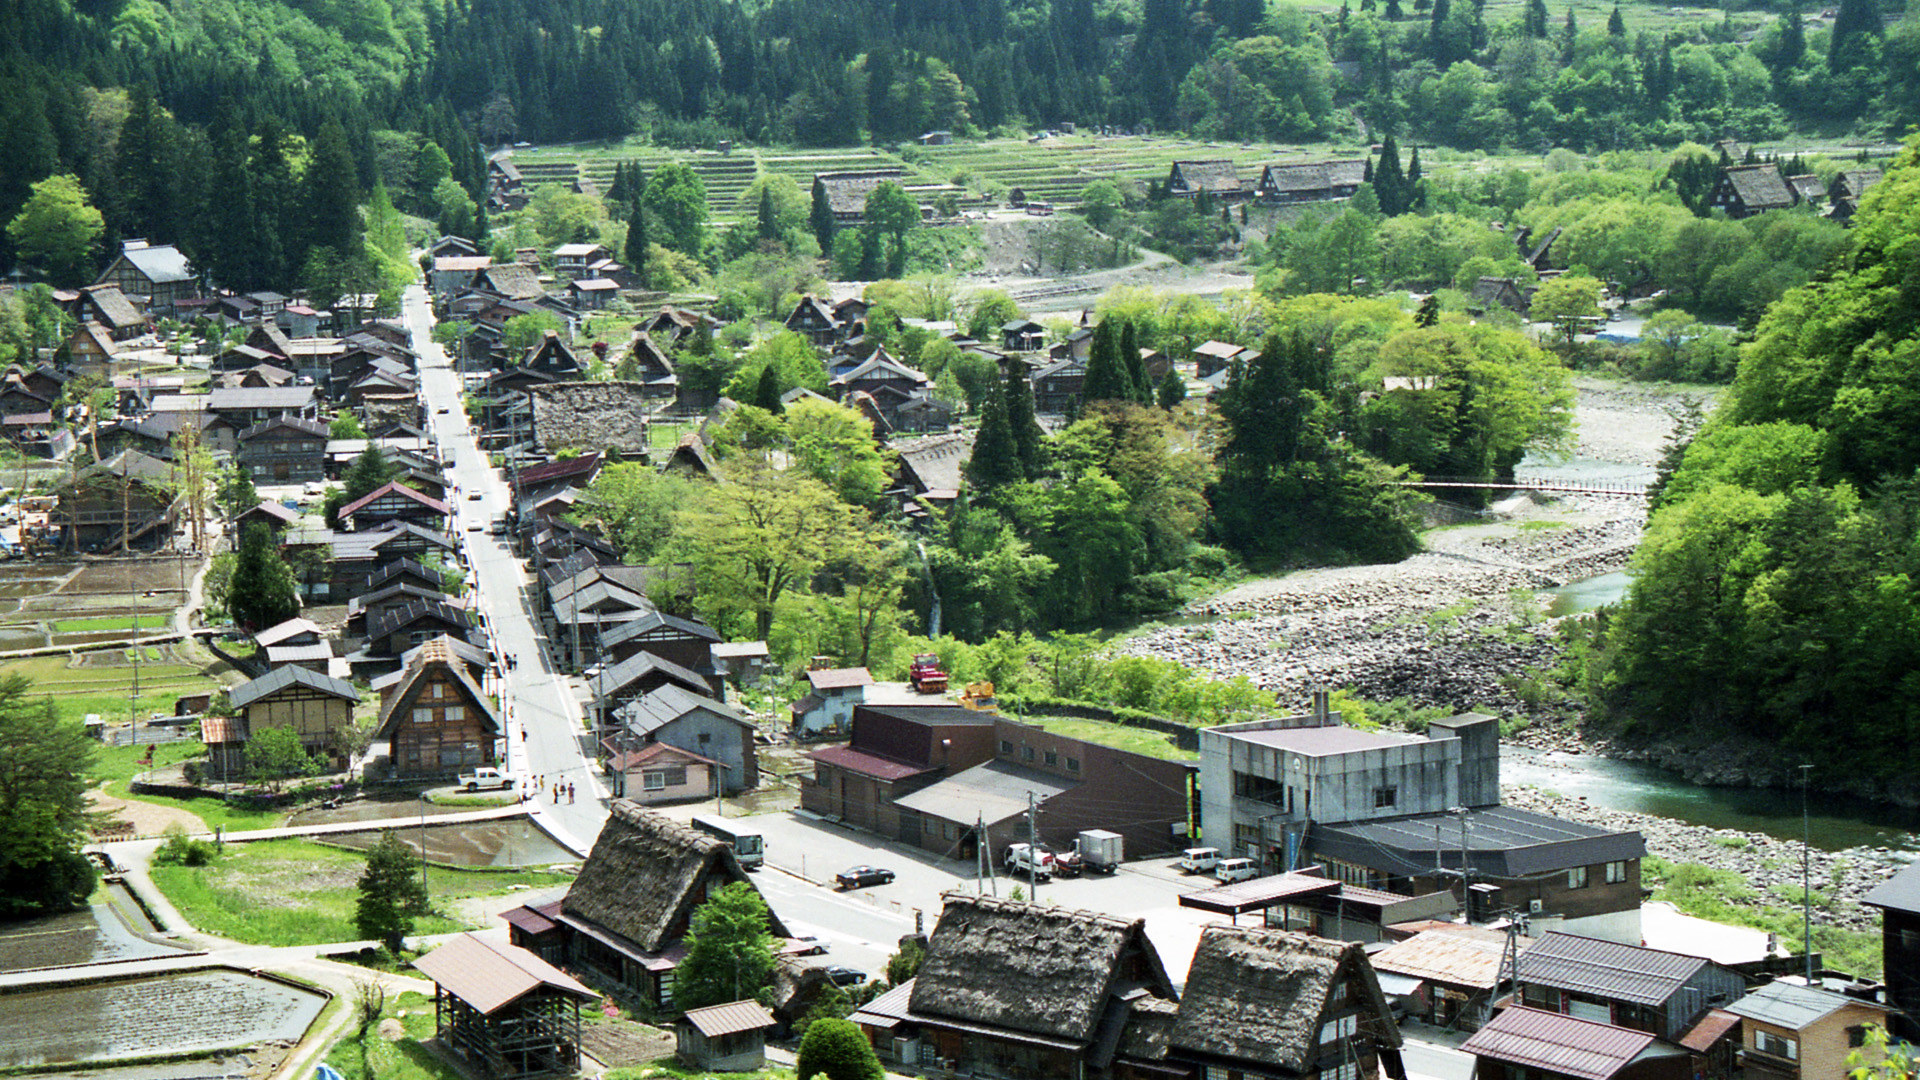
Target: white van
x: 1228, y: 871
x: 1198, y: 860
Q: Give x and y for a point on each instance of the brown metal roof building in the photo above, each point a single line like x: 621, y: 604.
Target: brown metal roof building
x: 503, y: 1009
x: 1555, y: 1047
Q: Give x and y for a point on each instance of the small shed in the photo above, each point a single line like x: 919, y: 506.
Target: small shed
x: 725, y: 1038
x: 504, y: 1009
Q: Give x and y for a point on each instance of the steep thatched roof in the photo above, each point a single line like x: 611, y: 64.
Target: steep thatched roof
x: 596, y: 415
x: 1024, y: 968
x: 1258, y: 995
x: 846, y: 192
x: 1149, y: 1028
x: 647, y: 873
x: 1218, y: 176
x: 1760, y: 187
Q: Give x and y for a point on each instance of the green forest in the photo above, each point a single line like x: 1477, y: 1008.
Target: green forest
x: 1775, y: 601
x: 243, y: 93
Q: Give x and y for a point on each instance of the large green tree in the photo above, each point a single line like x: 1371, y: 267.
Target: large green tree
x: 758, y: 536
x: 675, y: 202
x: 729, y: 950
x: 59, y: 229
x: 392, y: 893
x: 892, y: 213
x: 262, y: 592
x: 43, y: 765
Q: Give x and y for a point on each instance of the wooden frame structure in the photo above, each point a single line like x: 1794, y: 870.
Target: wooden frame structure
x: 505, y: 1010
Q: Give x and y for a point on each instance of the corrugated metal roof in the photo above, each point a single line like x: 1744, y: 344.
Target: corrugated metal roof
x: 859, y: 761
x: 886, y: 1010
x: 491, y: 975
x: 839, y: 678
x: 1556, y: 1043
x: 282, y: 678
x: 663, y: 706
x: 993, y: 791
x: 1258, y: 893
x: 1504, y: 841
x: 1607, y: 969
x: 729, y: 1019
x: 1459, y: 959
x: 279, y: 632
x: 1711, y: 1029
x: 1791, y: 1005
x: 1901, y: 892
x: 293, y: 654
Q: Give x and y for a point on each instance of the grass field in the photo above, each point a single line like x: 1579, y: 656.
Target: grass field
x: 292, y: 892
x: 358, y: 1058
x: 101, y: 687
x: 1117, y: 736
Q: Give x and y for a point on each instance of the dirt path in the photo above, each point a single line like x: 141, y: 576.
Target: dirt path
x: 147, y: 819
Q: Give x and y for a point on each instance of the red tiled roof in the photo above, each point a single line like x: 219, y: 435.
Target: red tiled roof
x: 859, y: 761
x: 533, y: 476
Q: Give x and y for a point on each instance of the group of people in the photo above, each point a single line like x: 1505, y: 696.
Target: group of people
x: 540, y: 784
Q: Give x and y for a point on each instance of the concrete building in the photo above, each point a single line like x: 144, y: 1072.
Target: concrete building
x: 1412, y: 814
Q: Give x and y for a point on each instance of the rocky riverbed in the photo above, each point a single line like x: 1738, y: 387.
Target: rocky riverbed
x: 1770, y: 866
x: 1457, y: 626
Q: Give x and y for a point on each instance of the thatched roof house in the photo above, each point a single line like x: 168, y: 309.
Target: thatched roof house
x: 1746, y: 190
x: 1287, y: 1004
x: 1218, y: 177
x: 623, y: 921
x: 1011, y: 982
x: 609, y: 416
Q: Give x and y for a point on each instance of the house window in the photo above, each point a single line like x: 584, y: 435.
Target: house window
x: 1337, y: 995
x: 1026, y: 753
x: 1857, y: 1035
x: 705, y: 738
x: 456, y: 712
x: 423, y: 716
x: 662, y: 779
x: 1779, y: 1046
x: 1006, y: 746
x: 436, y: 691
x: 1215, y: 1072
x: 1335, y: 1030
x: 1073, y: 764
x: 1052, y: 758
x: 1577, y: 878
x: 1384, y: 797
x: 1616, y: 872
x: 952, y: 831
x: 1349, y: 1071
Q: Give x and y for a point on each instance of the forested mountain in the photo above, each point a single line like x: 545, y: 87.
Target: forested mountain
x: 258, y: 80
x: 1775, y: 604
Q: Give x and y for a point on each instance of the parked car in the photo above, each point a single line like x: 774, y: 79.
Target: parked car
x: 1228, y: 871
x: 486, y: 776
x: 1198, y: 860
x: 475, y: 496
x: 842, y: 975
x: 805, y: 945
x: 859, y: 877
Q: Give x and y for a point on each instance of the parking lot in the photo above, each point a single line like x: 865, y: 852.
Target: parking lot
x: 805, y: 847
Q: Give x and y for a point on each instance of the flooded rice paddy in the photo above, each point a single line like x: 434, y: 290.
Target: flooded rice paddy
x: 171, y: 1014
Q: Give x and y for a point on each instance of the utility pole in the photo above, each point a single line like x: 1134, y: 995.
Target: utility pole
x: 986, y: 856
x: 1466, y: 880
x: 1806, y: 872
x: 1033, y: 846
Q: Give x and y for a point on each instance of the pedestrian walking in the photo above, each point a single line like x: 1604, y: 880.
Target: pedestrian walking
x: 569, y: 794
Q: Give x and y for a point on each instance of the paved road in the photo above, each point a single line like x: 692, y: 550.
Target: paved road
x: 544, y: 721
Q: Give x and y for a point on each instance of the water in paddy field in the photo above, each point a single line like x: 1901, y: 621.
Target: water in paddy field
x: 1837, y: 821
x: 514, y: 842
x: 169, y: 1014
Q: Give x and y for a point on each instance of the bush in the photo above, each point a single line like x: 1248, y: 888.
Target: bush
x: 181, y: 850
x: 835, y: 1048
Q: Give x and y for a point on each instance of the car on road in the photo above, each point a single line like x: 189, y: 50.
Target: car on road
x: 475, y: 526
x: 475, y: 496
x: 1198, y: 860
x: 805, y: 945
x: 842, y: 975
x: 486, y: 777
x: 442, y: 411
x: 859, y: 877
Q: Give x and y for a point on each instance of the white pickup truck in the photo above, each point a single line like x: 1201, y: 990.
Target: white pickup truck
x: 486, y: 777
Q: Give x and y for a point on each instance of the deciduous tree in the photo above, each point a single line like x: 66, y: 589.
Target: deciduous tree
x: 729, y: 950
x: 59, y: 229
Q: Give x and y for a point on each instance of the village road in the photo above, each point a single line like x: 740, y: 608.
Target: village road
x: 545, y: 735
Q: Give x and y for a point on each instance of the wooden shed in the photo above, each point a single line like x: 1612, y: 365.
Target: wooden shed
x: 724, y: 1038
x: 505, y: 1010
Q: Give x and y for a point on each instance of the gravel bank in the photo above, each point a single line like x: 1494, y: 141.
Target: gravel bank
x: 1450, y: 627
x: 1770, y: 865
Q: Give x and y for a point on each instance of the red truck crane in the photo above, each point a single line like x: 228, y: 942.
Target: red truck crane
x: 927, y: 676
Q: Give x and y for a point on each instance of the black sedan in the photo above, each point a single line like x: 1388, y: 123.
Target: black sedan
x: 859, y: 877
x: 841, y: 975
